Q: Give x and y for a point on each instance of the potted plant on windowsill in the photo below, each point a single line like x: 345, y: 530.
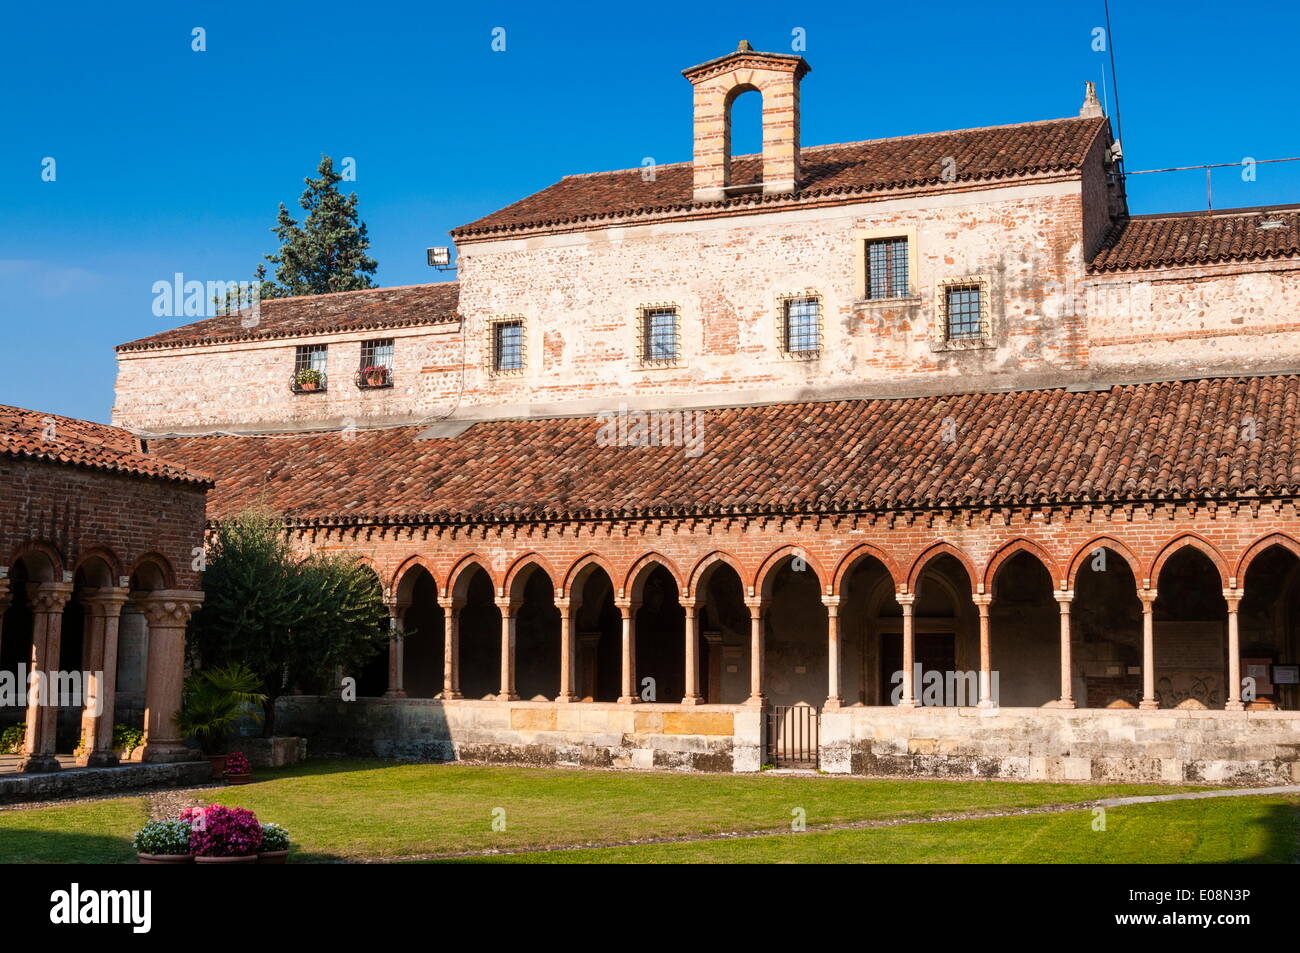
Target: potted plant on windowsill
x: 223, y: 835
x: 275, y: 845
x: 376, y: 375
x: 212, y: 703
x: 163, y: 842
x: 238, y: 770
x: 308, y: 379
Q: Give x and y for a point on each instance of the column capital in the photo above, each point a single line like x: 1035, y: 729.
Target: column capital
x: 49, y: 596
x: 626, y: 606
x: 905, y: 599
x: 1234, y: 597
x: 982, y: 599
x: 168, y: 607
x: 563, y: 602
x: 1064, y: 597
x: 831, y: 602
x: 690, y: 603
x: 1147, y: 597
x: 106, y: 600
x: 755, y: 602
x: 507, y: 605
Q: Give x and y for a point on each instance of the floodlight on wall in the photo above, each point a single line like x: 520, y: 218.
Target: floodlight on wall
x: 439, y: 257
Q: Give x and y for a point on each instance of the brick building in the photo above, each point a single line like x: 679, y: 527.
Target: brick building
x: 97, y: 538
x: 694, y: 457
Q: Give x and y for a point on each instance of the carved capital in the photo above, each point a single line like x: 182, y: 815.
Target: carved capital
x: 105, y: 602
x: 168, y: 608
x: 49, y: 597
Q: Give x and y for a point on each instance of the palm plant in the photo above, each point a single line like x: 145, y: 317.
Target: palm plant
x: 214, y: 700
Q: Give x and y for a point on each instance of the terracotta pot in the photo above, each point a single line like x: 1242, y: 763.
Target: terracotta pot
x: 249, y: 859
x: 309, y: 385
x: 165, y: 858
x: 218, y: 763
x: 238, y: 778
x: 375, y: 380
x: 272, y: 856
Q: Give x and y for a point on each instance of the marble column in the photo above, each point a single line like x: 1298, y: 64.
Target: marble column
x: 1063, y: 600
x: 982, y: 602
x: 834, y: 653
x: 451, y: 649
x: 168, y: 613
x: 509, y: 640
x: 47, y: 601
x: 692, y: 696
x: 568, y: 653
x: 1149, y: 701
x: 396, y: 650
x: 103, y: 610
x: 908, y: 699
x: 628, y: 691
x: 757, y: 653
x: 1233, y: 597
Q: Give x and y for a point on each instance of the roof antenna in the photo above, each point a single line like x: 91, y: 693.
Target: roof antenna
x: 1114, y: 80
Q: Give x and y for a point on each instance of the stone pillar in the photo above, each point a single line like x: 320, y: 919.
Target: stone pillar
x: 908, y: 700
x: 167, y: 612
x: 1063, y: 599
x: 628, y: 694
x: 451, y: 649
x: 103, y: 610
x: 982, y: 602
x: 834, y: 653
x: 692, y: 653
x: 396, y: 650
x: 568, y: 653
x: 1149, y: 701
x: 48, y: 600
x: 757, y: 653
x: 1233, y: 597
x: 508, y: 641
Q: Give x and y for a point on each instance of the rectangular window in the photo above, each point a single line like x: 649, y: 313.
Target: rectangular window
x: 376, y: 368
x: 659, y: 338
x: 887, y: 268
x: 802, y: 326
x: 309, y: 362
x: 963, y: 312
x: 508, y: 346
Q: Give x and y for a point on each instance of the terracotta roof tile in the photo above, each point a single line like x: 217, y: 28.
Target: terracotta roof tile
x: 1131, y: 442
x: 1200, y: 238
x: 80, y: 443
x: 849, y: 169
x: 372, y: 308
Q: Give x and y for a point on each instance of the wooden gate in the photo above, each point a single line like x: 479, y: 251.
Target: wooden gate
x: 792, y: 736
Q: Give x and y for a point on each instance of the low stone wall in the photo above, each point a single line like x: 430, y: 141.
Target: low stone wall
x: 1044, y: 744
x: 85, y: 782
x: 689, y: 738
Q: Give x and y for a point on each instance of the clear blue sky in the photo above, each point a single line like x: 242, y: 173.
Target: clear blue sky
x: 172, y: 160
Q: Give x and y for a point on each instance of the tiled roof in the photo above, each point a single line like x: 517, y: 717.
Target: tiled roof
x: 1200, y: 238
x: 372, y: 308
x: 80, y: 443
x: 1126, y: 443
x: 850, y: 169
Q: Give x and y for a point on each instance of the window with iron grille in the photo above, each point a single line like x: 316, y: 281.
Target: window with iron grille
x: 507, y: 346
x: 660, y: 341
x: 309, y: 361
x: 963, y: 312
x: 887, y: 268
x: 801, y: 325
x: 376, y: 369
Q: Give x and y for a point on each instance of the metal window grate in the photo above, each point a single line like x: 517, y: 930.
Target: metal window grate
x: 508, y: 346
x: 887, y: 268
x: 310, y: 356
x: 963, y: 312
x: 802, y: 326
x: 659, y: 340
x: 376, y: 367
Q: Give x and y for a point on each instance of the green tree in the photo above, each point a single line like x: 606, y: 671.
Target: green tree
x: 327, y: 252
x: 291, y: 621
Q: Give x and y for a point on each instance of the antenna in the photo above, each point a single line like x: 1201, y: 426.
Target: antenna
x: 1114, y: 79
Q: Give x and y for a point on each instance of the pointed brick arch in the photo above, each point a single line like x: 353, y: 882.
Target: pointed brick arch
x: 856, y: 555
x: 579, y: 571
x: 1085, y: 552
x: 461, y: 572
x: 1259, y: 546
x: 1020, y: 544
x: 1195, y: 541
x: 404, y: 572
x: 933, y: 552
x: 767, y: 571
x: 634, y: 580
x: 707, y: 566
x: 522, y: 568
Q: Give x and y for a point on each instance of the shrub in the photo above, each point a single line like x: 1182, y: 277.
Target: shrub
x: 126, y: 739
x: 237, y: 763
x: 213, y: 702
x: 217, y: 831
x: 11, y: 739
x: 162, y: 837
x: 274, y: 837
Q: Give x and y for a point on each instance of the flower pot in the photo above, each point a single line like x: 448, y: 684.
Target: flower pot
x: 272, y: 856
x: 309, y: 386
x: 249, y: 859
x: 218, y: 763
x: 375, y: 380
x: 238, y: 778
x: 165, y: 858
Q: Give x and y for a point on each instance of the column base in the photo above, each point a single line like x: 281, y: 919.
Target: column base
x: 99, y: 759
x: 1234, y: 706
x: 907, y: 704
x: 507, y: 697
x: 449, y: 696
x: 394, y: 693
x: 986, y: 704
x: 1063, y: 703
x: 566, y: 698
x: 628, y: 699
x: 39, y: 764
x: 833, y: 703
x: 692, y: 700
x: 1148, y: 704
x: 756, y: 701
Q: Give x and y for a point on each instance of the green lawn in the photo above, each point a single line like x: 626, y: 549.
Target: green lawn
x: 1226, y: 831
x: 373, y: 810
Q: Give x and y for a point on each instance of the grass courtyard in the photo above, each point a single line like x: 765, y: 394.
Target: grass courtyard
x: 372, y: 810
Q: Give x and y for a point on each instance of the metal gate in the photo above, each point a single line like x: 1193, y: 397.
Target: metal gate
x: 792, y: 736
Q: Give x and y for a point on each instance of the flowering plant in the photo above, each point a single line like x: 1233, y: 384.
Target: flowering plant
x: 237, y: 763
x: 376, y: 374
x: 217, y: 831
x: 162, y: 837
x: 274, y: 837
x: 308, y: 376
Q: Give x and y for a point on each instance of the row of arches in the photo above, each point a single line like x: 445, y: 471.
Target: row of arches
x: 1102, y: 629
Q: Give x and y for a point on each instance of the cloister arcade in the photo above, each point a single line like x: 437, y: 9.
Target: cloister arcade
x: 1099, y: 629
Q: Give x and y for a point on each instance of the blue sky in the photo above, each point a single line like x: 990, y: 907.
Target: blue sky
x: 170, y: 160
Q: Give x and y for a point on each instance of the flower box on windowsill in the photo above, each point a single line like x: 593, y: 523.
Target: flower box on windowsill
x: 374, y: 378
x: 308, y: 382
